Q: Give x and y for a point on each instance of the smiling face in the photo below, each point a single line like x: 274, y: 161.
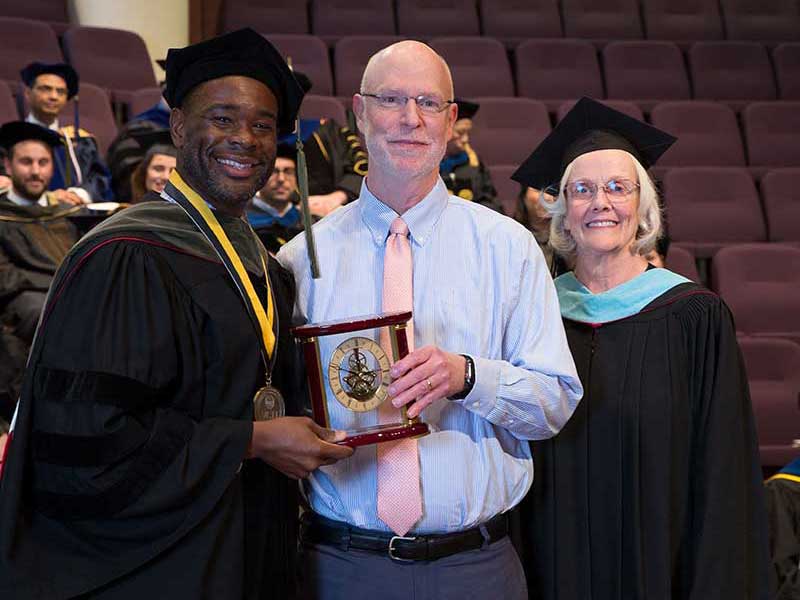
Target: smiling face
x: 158, y: 172
x: 30, y: 167
x: 225, y: 133
x: 600, y: 226
x: 405, y: 143
x: 47, y: 97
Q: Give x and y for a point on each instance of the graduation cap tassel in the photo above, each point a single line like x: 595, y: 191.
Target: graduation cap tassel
x: 302, y: 183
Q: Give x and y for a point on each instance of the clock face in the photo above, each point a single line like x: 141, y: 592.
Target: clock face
x: 359, y: 374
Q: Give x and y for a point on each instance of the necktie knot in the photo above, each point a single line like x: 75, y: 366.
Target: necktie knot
x: 399, y: 227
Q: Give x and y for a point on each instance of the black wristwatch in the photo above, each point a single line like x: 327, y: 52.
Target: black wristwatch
x: 469, y: 379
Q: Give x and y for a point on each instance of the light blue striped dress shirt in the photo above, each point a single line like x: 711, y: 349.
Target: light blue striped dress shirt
x: 481, y: 287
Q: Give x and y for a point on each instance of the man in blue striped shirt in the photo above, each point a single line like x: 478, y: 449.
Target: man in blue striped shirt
x: 491, y: 371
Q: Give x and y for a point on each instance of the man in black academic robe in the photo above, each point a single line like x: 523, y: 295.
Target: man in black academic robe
x: 127, y: 472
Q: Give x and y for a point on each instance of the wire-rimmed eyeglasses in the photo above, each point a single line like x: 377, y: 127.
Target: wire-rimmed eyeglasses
x: 428, y: 104
x: 617, y: 189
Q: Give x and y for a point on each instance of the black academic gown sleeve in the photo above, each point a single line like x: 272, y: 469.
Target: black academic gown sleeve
x: 96, y: 177
x: 125, y: 475
x: 783, y: 512
x: 653, y: 488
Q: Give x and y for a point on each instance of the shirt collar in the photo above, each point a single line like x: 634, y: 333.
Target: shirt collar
x: 20, y: 201
x: 420, y: 218
x: 35, y: 121
x: 266, y: 207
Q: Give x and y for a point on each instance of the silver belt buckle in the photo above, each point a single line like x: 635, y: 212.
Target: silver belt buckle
x: 392, y: 548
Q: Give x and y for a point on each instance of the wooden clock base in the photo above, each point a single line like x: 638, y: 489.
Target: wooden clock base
x: 390, y: 432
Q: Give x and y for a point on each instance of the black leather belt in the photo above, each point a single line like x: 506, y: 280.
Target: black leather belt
x: 317, y: 529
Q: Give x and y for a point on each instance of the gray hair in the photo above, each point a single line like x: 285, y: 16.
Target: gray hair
x: 647, y: 233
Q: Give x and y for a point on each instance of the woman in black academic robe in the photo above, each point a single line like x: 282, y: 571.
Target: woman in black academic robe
x: 652, y: 490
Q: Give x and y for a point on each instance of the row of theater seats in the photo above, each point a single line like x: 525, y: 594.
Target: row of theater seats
x: 512, y: 20
x: 554, y: 70
x: 759, y: 282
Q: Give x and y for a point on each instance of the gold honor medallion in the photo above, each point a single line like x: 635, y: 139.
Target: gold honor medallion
x: 268, y: 403
x: 358, y: 373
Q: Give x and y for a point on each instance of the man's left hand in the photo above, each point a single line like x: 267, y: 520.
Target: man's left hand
x: 425, y: 376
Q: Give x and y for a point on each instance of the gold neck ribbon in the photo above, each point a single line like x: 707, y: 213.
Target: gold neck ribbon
x: 266, y: 318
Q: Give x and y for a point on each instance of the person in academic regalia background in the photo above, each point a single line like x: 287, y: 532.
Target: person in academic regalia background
x: 336, y: 162
x: 135, y: 468
x: 462, y: 171
x: 274, y: 211
x: 783, y: 512
x: 158, y: 163
x: 35, y: 236
x: 653, y: 487
x: 80, y: 175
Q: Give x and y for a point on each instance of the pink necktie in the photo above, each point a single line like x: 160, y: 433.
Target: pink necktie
x: 399, y: 495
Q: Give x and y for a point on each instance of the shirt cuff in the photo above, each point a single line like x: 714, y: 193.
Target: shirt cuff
x: 483, y: 396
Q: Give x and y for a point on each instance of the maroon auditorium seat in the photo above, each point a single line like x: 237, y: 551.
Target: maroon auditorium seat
x: 309, y: 55
x: 275, y: 16
x: 23, y: 42
x: 623, y: 106
x: 479, y: 65
x: 712, y: 207
x: 773, y: 371
x: 734, y: 72
x: 760, y: 282
x: 707, y: 132
x: 786, y: 58
x: 350, y: 56
x: 334, y: 19
x: 507, y: 190
x: 323, y: 107
x: 682, y: 20
x: 645, y: 72
x: 602, y: 19
x: 779, y: 190
x: 113, y: 59
x: 512, y: 21
x: 506, y: 129
x: 681, y: 261
x: 557, y: 70
x: 53, y: 12
x: 757, y: 20
x: 142, y: 100
x: 772, y: 131
x: 428, y: 18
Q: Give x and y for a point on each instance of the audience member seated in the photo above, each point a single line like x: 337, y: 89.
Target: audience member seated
x: 461, y: 169
x: 125, y: 152
x: 153, y: 171
x: 533, y: 214
x: 80, y: 175
x: 35, y: 234
x: 273, y: 212
x: 336, y: 160
x: 783, y: 513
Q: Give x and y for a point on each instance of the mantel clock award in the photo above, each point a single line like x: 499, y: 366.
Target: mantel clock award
x: 358, y: 374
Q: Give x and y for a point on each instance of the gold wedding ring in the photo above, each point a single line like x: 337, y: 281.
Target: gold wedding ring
x: 428, y: 382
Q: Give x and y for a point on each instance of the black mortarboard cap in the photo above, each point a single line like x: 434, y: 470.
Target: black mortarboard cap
x: 63, y: 70
x: 287, y: 151
x: 466, y: 109
x: 21, y: 131
x: 148, y: 138
x: 303, y: 80
x: 243, y: 52
x: 587, y: 127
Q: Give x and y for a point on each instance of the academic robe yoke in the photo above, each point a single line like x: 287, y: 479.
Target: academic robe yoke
x: 652, y: 491
x: 125, y: 475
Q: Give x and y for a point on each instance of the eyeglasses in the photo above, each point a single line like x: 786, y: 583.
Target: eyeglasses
x: 287, y: 172
x: 428, y: 104
x: 585, y: 190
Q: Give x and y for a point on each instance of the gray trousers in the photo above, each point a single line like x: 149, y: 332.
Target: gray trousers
x: 493, y: 572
